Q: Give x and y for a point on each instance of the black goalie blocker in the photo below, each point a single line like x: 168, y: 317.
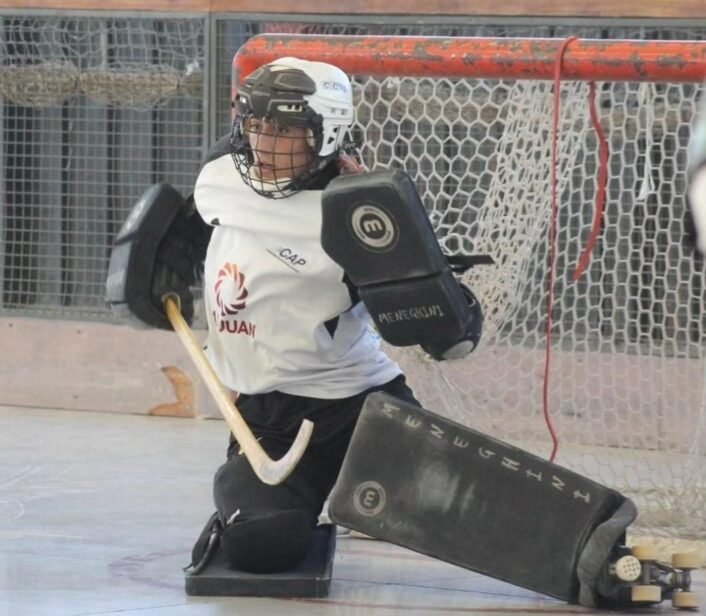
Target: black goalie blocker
x: 375, y: 227
x: 159, y: 250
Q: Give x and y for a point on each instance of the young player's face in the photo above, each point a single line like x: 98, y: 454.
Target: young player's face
x: 280, y: 152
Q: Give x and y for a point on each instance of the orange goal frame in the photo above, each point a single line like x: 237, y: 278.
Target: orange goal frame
x: 491, y: 58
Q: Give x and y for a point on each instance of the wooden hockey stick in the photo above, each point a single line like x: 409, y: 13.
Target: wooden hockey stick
x: 270, y: 471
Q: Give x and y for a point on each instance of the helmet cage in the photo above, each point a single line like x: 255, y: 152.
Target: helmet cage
x: 245, y: 160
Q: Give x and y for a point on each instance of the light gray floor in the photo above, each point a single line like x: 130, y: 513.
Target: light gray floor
x: 98, y: 513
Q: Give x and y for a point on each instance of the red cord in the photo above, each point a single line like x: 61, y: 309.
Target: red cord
x: 602, y: 182
x: 552, y: 246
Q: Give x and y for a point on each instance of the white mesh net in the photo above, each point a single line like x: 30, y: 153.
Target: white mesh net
x: 626, y: 382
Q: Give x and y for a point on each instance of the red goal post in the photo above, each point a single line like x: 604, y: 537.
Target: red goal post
x: 473, y: 120
x: 490, y: 58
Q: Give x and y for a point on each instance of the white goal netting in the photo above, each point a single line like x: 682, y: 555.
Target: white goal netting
x: 626, y: 379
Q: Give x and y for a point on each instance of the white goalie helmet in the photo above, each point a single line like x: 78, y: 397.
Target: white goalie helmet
x: 293, y: 92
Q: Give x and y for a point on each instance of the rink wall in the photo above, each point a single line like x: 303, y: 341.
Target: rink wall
x: 98, y: 367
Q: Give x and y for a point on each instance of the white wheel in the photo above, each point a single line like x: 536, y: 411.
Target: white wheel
x: 686, y: 560
x: 685, y: 600
x: 646, y: 594
x: 627, y: 568
x: 644, y: 553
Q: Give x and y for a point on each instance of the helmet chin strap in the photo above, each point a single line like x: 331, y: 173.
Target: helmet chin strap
x: 268, y: 185
x: 283, y: 185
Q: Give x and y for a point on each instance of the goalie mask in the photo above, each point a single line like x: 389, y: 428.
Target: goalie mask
x: 292, y: 119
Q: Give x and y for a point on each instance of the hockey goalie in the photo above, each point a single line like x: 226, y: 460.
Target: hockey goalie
x: 297, y: 257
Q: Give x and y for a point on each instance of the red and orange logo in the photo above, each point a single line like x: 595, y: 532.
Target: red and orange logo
x: 230, y: 288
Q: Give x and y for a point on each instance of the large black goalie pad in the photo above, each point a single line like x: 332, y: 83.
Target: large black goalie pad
x: 418, y: 480
x: 375, y: 227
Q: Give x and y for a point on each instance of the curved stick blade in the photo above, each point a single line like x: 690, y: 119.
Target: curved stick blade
x: 273, y: 472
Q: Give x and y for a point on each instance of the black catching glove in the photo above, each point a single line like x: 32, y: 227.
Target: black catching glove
x: 159, y: 251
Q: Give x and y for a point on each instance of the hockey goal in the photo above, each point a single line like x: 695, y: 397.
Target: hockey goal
x: 610, y: 357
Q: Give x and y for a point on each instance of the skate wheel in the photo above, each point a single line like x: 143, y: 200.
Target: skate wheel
x: 646, y: 594
x: 685, y: 600
x: 628, y: 568
x: 686, y: 560
x: 644, y: 553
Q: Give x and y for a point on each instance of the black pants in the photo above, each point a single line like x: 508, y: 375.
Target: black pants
x: 268, y: 527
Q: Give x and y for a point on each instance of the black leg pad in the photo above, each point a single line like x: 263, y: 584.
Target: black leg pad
x: 312, y: 578
x: 426, y: 483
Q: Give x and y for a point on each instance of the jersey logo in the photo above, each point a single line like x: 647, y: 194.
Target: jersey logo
x: 231, y: 294
x: 289, y: 257
x: 230, y: 289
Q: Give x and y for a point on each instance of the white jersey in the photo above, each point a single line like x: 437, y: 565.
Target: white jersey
x: 279, y: 315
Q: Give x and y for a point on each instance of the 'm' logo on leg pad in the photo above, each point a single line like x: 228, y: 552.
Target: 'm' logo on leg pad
x: 369, y: 498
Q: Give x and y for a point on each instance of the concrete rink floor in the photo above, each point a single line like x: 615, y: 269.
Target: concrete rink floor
x: 98, y: 514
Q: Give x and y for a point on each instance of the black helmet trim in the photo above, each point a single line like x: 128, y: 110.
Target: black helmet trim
x: 278, y: 94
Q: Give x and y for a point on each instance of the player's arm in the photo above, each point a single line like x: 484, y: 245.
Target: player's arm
x: 159, y: 250
x: 375, y: 227
x: 696, y: 191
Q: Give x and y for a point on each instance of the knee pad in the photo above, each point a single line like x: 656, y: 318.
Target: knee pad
x: 269, y: 543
